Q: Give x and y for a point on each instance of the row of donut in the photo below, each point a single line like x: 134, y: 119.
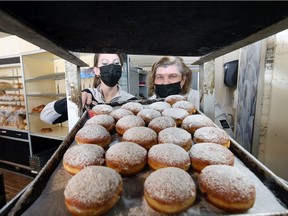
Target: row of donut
x: 156, y: 116
x: 127, y: 159
x: 226, y: 186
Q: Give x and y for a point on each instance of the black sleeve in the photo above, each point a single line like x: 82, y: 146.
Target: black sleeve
x: 133, y: 98
x: 60, y: 107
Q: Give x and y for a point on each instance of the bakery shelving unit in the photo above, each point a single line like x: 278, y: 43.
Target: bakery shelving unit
x: 44, y: 79
x: 44, y: 75
x: 143, y: 92
x: 11, y: 85
x: 14, y: 137
x: 28, y: 81
x: 138, y: 86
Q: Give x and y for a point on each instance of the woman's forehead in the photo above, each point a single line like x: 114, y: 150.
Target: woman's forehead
x: 171, y: 69
x: 110, y: 57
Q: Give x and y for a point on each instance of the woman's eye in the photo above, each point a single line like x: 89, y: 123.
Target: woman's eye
x: 104, y: 64
x: 116, y: 62
x: 173, y: 76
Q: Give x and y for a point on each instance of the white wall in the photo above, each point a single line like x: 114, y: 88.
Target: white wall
x: 223, y: 94
x: 276, y: 148
x: 13, y: 45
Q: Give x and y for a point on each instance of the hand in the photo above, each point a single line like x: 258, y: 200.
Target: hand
x: 86, y: 98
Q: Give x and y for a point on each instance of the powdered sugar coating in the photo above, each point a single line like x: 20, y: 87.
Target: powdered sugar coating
x: 102, y: 109
x: 92, y: 133
x: 129, y: 121
x: 126, y: 154
x: 186, y: 105
x: 119, y: 113
x: 211, y: 153
x: 171, y: 99
x: 227, y: 182
x: 161, y: 123
x: 102, y: 119
x: 160, y: 106
x: 148, y: 114
x: 176, y: 113
x: 169, y: 154
x: 192, y: 122
x: 211, y: 134
x: 175, y: 135
x: 84, y: 155
x: 170, y: 185
x: 146, y: 137
x: 134, y: 107
x: 94, y: 185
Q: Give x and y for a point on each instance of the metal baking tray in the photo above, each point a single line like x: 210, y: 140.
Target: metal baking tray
x: 44, y: 196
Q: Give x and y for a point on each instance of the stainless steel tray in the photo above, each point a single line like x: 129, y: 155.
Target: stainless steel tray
x: 45, y: 195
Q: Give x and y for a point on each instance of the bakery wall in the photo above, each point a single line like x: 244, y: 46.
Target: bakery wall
x: 13, y: 45
x: 224, y: 94
x: 273, y: 143
x: 271, y: 117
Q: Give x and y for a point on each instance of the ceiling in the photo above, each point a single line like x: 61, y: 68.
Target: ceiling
x: 185, y: 28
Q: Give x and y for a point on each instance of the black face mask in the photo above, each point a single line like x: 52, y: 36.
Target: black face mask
x: 110, y: 74
x: 163, y: 91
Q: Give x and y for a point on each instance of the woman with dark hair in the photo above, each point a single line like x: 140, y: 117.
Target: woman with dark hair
x: 108, y: 71
x: 170, y: 76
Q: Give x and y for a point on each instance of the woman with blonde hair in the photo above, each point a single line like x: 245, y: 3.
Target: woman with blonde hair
x: 170, y: 76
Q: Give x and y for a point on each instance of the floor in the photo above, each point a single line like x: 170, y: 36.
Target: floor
x: 14, y: 182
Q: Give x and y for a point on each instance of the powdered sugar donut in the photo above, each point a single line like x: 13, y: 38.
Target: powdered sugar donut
x: 127, y: 122
x: 212, y: 134
x: 93, y: 191
x: 161, y: 123
x: 134, y: 107
x: 148, y: 114
x: 205, y: 154
x: 119, y: 113
x: 172, y: 99
x: 105, y: 120
x: 78, y: 157
x: 143, y: 136
x: 168, y: 155
x: 186, y: 105
x: 159, y: 106
x: 93, y: 134
x: 176, y: 113
x: 126, y: 158
x: 102, y: 109
x: 227, y: 187
x: 176, y: 136
x: 192, y: 122
x: 169, y: 190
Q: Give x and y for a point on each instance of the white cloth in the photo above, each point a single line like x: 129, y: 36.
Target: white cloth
x: 48, y: 114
